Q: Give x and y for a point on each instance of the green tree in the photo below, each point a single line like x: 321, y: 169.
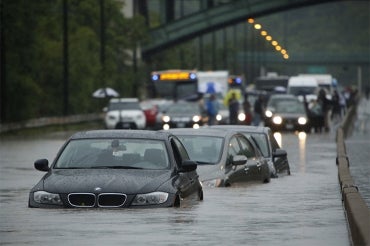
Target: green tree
x: 33, y: 44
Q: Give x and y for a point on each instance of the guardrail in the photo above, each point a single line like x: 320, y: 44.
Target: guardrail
x: 48, y: 121
x: 357, y: 212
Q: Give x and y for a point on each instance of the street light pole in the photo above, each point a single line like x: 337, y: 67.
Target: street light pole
x: 65, y: 57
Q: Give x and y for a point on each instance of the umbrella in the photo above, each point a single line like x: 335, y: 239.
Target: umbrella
x: 105, y: 92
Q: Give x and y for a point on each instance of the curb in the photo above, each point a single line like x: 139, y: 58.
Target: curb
x: 357, y: 212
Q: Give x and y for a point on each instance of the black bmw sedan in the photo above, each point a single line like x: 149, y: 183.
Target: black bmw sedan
x: 117, y: 169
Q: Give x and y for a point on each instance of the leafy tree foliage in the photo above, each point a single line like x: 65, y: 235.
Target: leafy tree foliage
x: 33, y: 45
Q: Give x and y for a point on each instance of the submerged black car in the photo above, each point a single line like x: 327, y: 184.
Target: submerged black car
x: 265, y: 140
x: 224, y: 158
x: 117, y: 169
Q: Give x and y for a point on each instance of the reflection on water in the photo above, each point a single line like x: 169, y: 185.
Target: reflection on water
x: 278, y: 138
x: 302, y: 151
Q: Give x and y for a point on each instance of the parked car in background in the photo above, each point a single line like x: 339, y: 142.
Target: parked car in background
x: 150, y: 109
x: 182, y: 114
x: 264, y: 138
x: 153, y: 109
x: 224, y: 157
x: 117, y: 169
x: 284, y: 112
x: 124, y: 113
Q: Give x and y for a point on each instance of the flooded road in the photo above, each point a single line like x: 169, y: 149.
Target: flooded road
x: 302, y: 209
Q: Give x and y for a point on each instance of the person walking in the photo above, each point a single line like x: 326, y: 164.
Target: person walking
x: 336, y: 107
x: 325, y: 106
x: 247, y: 110
x: 258, y: 109
x: 212, y: 107
x: 233, y: 109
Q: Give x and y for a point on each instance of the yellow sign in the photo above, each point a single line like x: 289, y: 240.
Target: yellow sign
x: 175, y: 76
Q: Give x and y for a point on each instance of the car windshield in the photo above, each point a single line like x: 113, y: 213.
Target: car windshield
x: 303, y: 90
x: 124, y: 106
x: 290, y: 107
x: 114, y: 153
x: 203, y: 149
x: 183, y: 108
x: 274, y: 101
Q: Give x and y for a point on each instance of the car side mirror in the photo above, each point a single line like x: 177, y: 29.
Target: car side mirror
x: 279, y: 153
x: 188, y: 166
x: 42, y: 165
x: 239, y: 160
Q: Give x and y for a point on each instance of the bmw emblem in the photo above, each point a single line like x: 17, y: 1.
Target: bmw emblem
x: 97, y: 189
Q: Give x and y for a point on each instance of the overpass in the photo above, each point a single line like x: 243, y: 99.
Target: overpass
x: 211, y: 19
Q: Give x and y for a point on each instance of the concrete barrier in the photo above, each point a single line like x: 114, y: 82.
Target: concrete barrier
x: 357, y: 212
x: 48, y: 121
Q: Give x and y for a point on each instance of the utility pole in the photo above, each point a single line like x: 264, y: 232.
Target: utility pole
x: 3, y: 97
x: 102, y: 42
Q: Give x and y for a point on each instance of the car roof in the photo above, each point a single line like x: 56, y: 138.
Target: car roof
x: 122, y: 133
x: 202, y: 131
x: 256, y: 129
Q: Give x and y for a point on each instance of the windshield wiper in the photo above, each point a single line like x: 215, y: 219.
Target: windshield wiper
x: 118, y: 167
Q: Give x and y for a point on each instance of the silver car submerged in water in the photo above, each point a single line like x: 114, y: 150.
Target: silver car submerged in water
x: 224, y: 157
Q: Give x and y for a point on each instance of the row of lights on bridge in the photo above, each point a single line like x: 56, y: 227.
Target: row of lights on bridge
x: 269, y: 38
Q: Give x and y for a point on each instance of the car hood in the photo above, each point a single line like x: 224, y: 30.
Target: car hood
x: 290, y: 115
x: 108, y: 180
x: 126, y: 113
x: 182, y: 115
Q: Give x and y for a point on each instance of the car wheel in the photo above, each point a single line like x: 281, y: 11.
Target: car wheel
x: 177, y: 202
x: 267, y: 179
x: 200, y: 195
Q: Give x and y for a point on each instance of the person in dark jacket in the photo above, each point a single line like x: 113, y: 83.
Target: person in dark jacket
x: 325, y: 106
x: 233, y: 109
x: 258, y: 110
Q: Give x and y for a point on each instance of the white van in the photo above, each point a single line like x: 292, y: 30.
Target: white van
x: 299, y: 86
x: 324, y: 81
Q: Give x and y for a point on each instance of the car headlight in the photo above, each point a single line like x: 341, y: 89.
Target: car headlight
x: 166, y: 118
x: 218, y: 117
x: 47, y: 198
x: 212, y: 183
x: 277, y: 120
x: 302, y: 120
x: 196, y: 118
x: 241, y: 117
x: 150, y: 198
x: 268, y: 113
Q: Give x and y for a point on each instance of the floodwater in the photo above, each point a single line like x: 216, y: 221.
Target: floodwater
x: 304, y: 208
